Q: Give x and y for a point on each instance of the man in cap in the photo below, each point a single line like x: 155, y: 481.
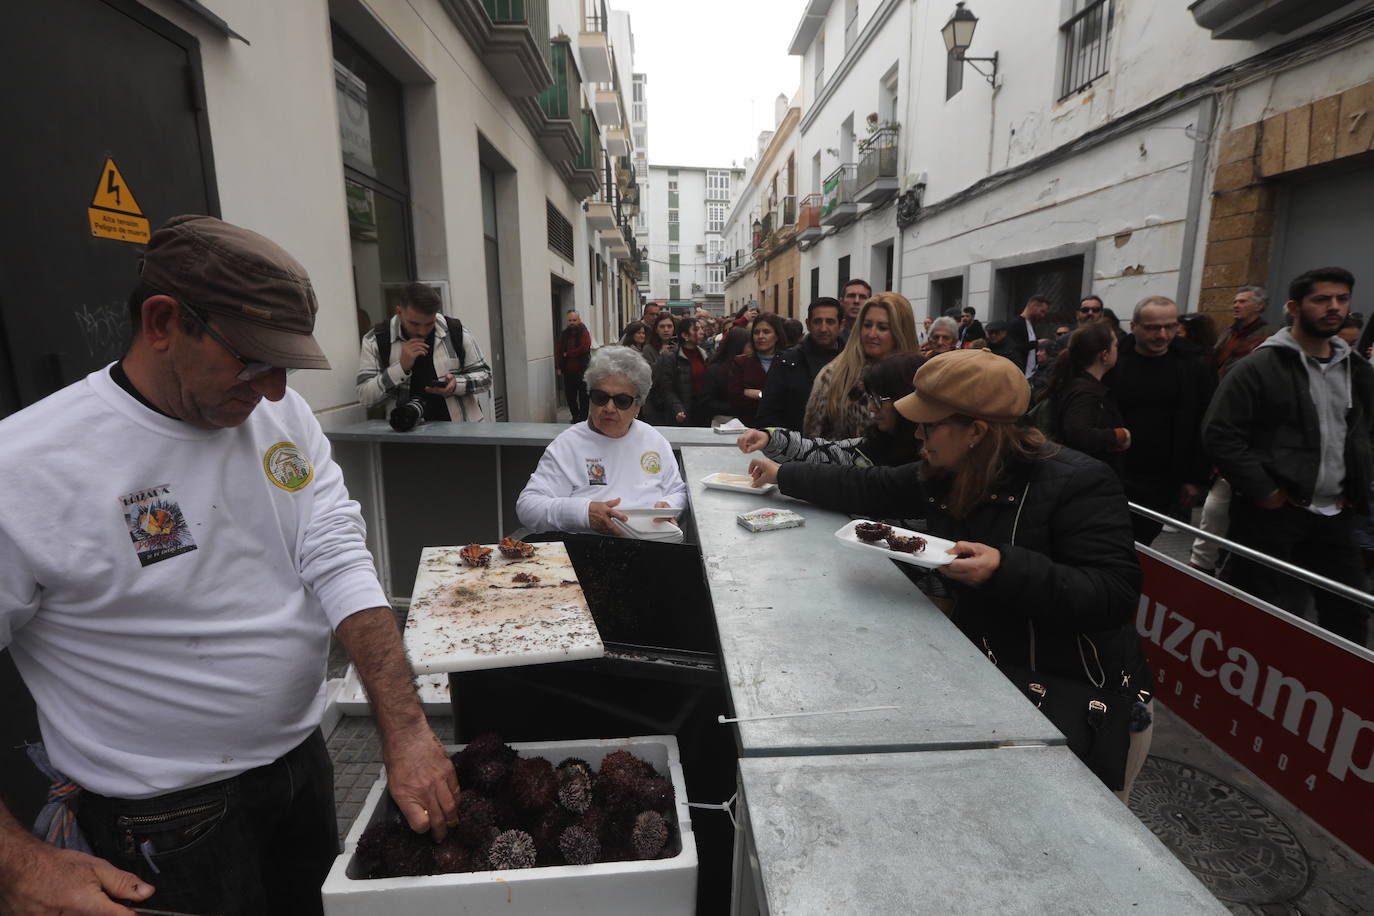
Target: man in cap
x: 997, y: 339
x: 176, y: 548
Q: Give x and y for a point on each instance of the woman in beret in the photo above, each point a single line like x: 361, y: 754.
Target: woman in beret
x: 1046, y: 577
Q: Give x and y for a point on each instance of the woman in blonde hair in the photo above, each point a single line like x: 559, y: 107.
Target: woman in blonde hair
x: 837, y: 408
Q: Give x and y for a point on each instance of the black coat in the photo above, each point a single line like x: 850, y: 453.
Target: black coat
x: 1084, y: 416
x: 789, y: 385
x: 1262, y: 429
x: 1021, y: 343
x: 1068, y: 558
x: 1187, y: 462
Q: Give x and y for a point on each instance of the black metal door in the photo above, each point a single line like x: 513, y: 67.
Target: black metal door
x: 88, y: 81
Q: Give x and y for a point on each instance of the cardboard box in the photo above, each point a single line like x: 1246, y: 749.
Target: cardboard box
x: 664, y: 887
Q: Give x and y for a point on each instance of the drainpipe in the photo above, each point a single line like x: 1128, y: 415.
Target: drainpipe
x: 1205, y: 128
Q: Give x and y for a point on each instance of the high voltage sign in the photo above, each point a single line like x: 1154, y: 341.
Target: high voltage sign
x: 114, y: 213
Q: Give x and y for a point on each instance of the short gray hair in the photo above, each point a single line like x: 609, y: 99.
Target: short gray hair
x: 1259, y: 292
x: 1147, y: 302
x: 944, y: 323
x: 623, y: 361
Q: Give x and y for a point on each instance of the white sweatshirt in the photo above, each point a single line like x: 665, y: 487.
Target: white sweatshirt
x: 582, y: 466
x: 168, y: 592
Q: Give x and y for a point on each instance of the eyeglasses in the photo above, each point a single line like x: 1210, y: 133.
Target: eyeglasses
x: 922, y: 429
x: 1169, y: 328
x: 877, y: 401
x: 1091, y: 309
x: 251, y: 369
x: 600, y: 398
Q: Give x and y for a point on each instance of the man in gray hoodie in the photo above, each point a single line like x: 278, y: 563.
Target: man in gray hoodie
x: 1290, y: 427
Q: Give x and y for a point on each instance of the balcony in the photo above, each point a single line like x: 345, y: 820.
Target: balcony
x: 809, y: 219
x: 613, y: 240
x: 789, y: 210
x: 838, y: 206
x: 618, y: 141
x: 608, y: 107
x: 877, y: 174
x: 1250, y: 19
x: 514, y: 45
x: 586, y: 174
x: 593, y: 44
x: 559, y: 136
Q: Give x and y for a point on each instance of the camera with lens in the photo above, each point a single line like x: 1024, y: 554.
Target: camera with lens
x: 405, y: 417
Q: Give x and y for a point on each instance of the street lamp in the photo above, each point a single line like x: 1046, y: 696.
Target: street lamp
x: 958, y: 35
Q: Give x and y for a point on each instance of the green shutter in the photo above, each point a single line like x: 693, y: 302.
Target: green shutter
x: 672, y: 232
x: 674, y: 262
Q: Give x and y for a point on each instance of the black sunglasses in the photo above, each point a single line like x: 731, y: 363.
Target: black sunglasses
x: 1089, y: 308
x: 622, y: 401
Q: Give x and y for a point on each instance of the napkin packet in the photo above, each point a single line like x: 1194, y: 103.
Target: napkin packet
x: 769, y: 519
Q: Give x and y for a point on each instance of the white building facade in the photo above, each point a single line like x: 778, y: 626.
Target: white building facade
x: 687, y: 206
x: 388, y: 141
x: 1120, y: 149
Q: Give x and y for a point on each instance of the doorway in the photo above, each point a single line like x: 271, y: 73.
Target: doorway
x: 1307, y: 237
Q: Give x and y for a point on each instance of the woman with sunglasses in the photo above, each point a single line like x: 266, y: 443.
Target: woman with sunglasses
x: 891, y: 440
x: 1046, y: 578
x: 611, y: 460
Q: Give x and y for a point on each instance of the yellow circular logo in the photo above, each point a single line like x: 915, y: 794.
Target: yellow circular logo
x: 287, y: 466
x: 650, y: 462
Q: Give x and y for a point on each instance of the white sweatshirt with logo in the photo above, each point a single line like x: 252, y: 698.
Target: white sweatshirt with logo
x: 168, y: 592
x: 581, y: 466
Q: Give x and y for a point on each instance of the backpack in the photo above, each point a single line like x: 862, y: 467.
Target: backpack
x: 382, y: 331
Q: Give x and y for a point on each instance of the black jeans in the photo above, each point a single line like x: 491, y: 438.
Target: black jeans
x: 1323, y: 544
x: 576, y: 394
x: 261, y: 842
x: 1152, y: 493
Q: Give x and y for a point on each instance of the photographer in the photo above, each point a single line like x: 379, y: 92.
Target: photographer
x: 437, y: 363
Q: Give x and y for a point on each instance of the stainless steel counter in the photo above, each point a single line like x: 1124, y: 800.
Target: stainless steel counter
x: 808, y: 626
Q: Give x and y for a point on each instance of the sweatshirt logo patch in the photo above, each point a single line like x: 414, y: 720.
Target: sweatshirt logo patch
x: 287, y: 466
x: 596, y: 472
x: 156, y: 523
x: 651, y: 462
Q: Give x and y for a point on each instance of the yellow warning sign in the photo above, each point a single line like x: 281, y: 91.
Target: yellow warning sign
x: 114, y: 214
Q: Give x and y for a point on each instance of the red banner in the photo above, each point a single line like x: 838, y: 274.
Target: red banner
x: 1290, y: 702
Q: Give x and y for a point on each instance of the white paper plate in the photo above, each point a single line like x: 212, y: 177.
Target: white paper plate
x: 723, y: 481
x: 663, y: 512
x: 734, y: 427
x: 646, y: 529
x: 934, y: 555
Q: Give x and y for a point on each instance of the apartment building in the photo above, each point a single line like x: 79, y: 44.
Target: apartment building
x: 1095, y: 146
x: 379, y: 141
x: 687, y: 206
x: 762, y: 260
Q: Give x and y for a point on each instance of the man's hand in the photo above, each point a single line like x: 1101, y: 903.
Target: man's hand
x: 680, y: 417
x: 662, y: 505
x: 600, y: 515
x: 1274, y: 500
x: 422, y: 781
x: 1189, y: 495
x: 752, y: 441
x: 763, y: 471
x: 41, y: 880
x: 977, y: 566
x: 755, y: 393
x: 412, y: 348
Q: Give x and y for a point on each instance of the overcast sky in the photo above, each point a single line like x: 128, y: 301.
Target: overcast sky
x: 714, y: 69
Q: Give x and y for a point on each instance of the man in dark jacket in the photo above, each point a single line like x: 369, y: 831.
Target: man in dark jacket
x: 789, y: 381
x: 570, y: 361
x: 1162, y: 389
x: 1290, y: 429
x: 1248, y: 330
x: 1023, y: 332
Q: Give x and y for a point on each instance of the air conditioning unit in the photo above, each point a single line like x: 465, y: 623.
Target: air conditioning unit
x: 701, y: 249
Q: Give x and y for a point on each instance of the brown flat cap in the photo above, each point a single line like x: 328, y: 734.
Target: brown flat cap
x: 973, y: 383
x: 233, y: 273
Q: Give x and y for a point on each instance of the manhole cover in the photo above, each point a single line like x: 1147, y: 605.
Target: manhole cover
x: 1237, y: 847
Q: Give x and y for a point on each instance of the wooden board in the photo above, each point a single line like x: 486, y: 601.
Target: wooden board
x: 465, y: 618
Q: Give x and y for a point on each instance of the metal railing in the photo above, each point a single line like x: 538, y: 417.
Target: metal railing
x: 520, y: 12
x: 878, y: 155
x: 1085, y: 46
x: 591, y: 144
x: 810, y: 214
x: 596, y: 17
x: 1297, y: 572
x: 554, y: 100
x: 839, y: 188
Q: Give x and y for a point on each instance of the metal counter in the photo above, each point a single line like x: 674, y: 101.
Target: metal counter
x: 806, y: 625
x: 448, y: 483
x: 1017, y: 830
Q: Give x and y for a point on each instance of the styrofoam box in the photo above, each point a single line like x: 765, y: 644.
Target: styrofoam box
x: 665, y: 887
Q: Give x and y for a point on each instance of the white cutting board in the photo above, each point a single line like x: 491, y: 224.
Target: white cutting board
x: 465, y: 618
